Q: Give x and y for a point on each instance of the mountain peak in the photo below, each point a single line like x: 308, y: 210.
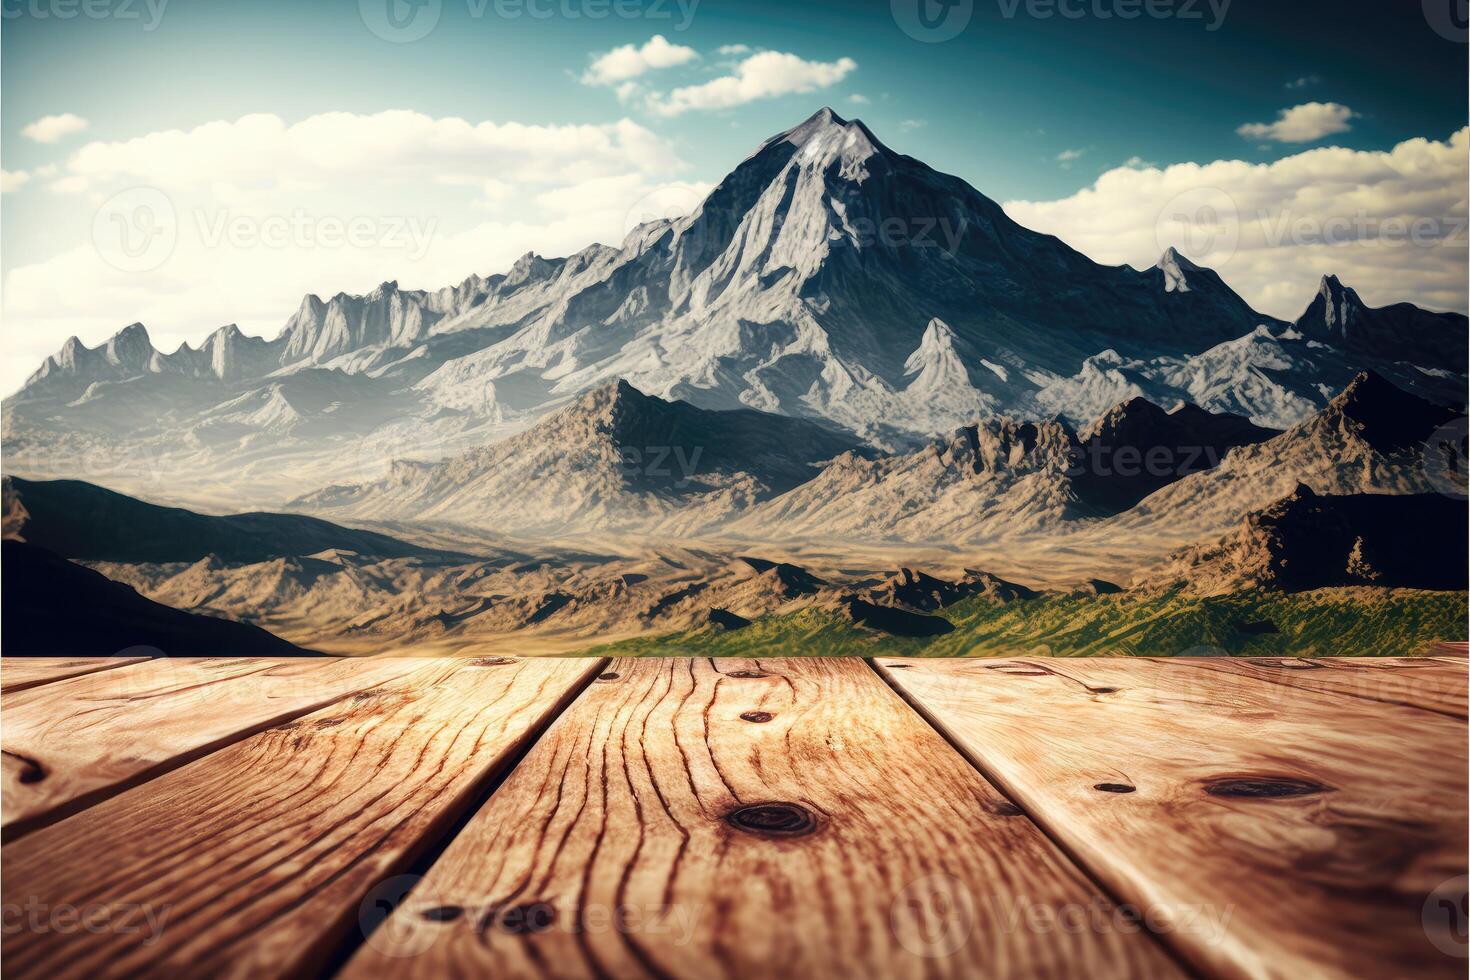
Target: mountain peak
x: 1175, y: 268
x: 1382, y: 414
x: 133, y: 331
x: 825, y: 136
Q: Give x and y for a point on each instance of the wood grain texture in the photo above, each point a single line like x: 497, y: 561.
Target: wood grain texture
x: 256, y: 859
x: 1309, y: 823
x: 19, y: 673
x: 741, y: 818
x: 1409, y: 682
x: 71, y: 743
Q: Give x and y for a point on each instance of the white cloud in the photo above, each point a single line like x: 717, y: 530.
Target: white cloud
x: 630, y: 61
x: 909, y: 125
x: 73, y: 184
x: 857, y: 98
x: 1389, y: 223
x: 1068, y: 155
x: 13, y: 180
x: 1302, y: 123
x: 729, y: 50
x: 261, y: 149
x: 49, y: 129
x: 761, y: 76
x: 1303, y: 82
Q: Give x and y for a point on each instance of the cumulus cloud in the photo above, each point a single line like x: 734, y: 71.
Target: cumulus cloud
x: 1302, y: 123
x: 765, y: 75
x: 730, y: 50
x: 13, y: 180
x: 857, y: 98
x: 401, y: 145
x: 49, y: 129
x: 1390, y: 223
x: 1303, y: 81
x: 73, y: 184
x: 630, y: 61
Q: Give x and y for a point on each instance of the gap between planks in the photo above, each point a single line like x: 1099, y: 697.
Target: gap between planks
x: 35, y: 671
x: 783, y: 815
x: 70, y: 744
x: 1306, y: 870
x: 265, y: 853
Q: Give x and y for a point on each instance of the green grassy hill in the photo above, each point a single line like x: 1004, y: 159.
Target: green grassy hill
x: 1359, y: 622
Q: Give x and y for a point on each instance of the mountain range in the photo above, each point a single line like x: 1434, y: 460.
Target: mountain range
x: 837, y: 401
x: 827, y: 278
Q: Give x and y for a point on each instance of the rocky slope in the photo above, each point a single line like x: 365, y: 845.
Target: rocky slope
x: 615, y: 459
x: 1370, y: 438
x: 1310, y: 541
x: 54, y: 608
x: 1002, y: 478
x: 79, y: 520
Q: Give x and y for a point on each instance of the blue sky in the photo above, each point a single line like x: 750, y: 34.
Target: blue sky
x: 1033, y: 102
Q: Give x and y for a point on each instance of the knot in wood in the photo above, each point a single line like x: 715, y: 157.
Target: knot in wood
x: 773, y: 819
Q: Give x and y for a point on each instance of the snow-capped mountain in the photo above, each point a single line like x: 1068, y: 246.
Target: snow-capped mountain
x: 1401, y: 332
x: 827, y: 277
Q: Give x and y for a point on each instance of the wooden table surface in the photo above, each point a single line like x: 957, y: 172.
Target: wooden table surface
x: 734, y: 818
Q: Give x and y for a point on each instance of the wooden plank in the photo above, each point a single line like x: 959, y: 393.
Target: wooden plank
x: 1315, y: 825
x: 253, y: 861
x: 1411, y: 682
x: 19, y: 673
x: 71, y: 743
x: 698, y: 818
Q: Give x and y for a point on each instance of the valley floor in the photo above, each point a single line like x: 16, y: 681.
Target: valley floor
x: 1321, y: 623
